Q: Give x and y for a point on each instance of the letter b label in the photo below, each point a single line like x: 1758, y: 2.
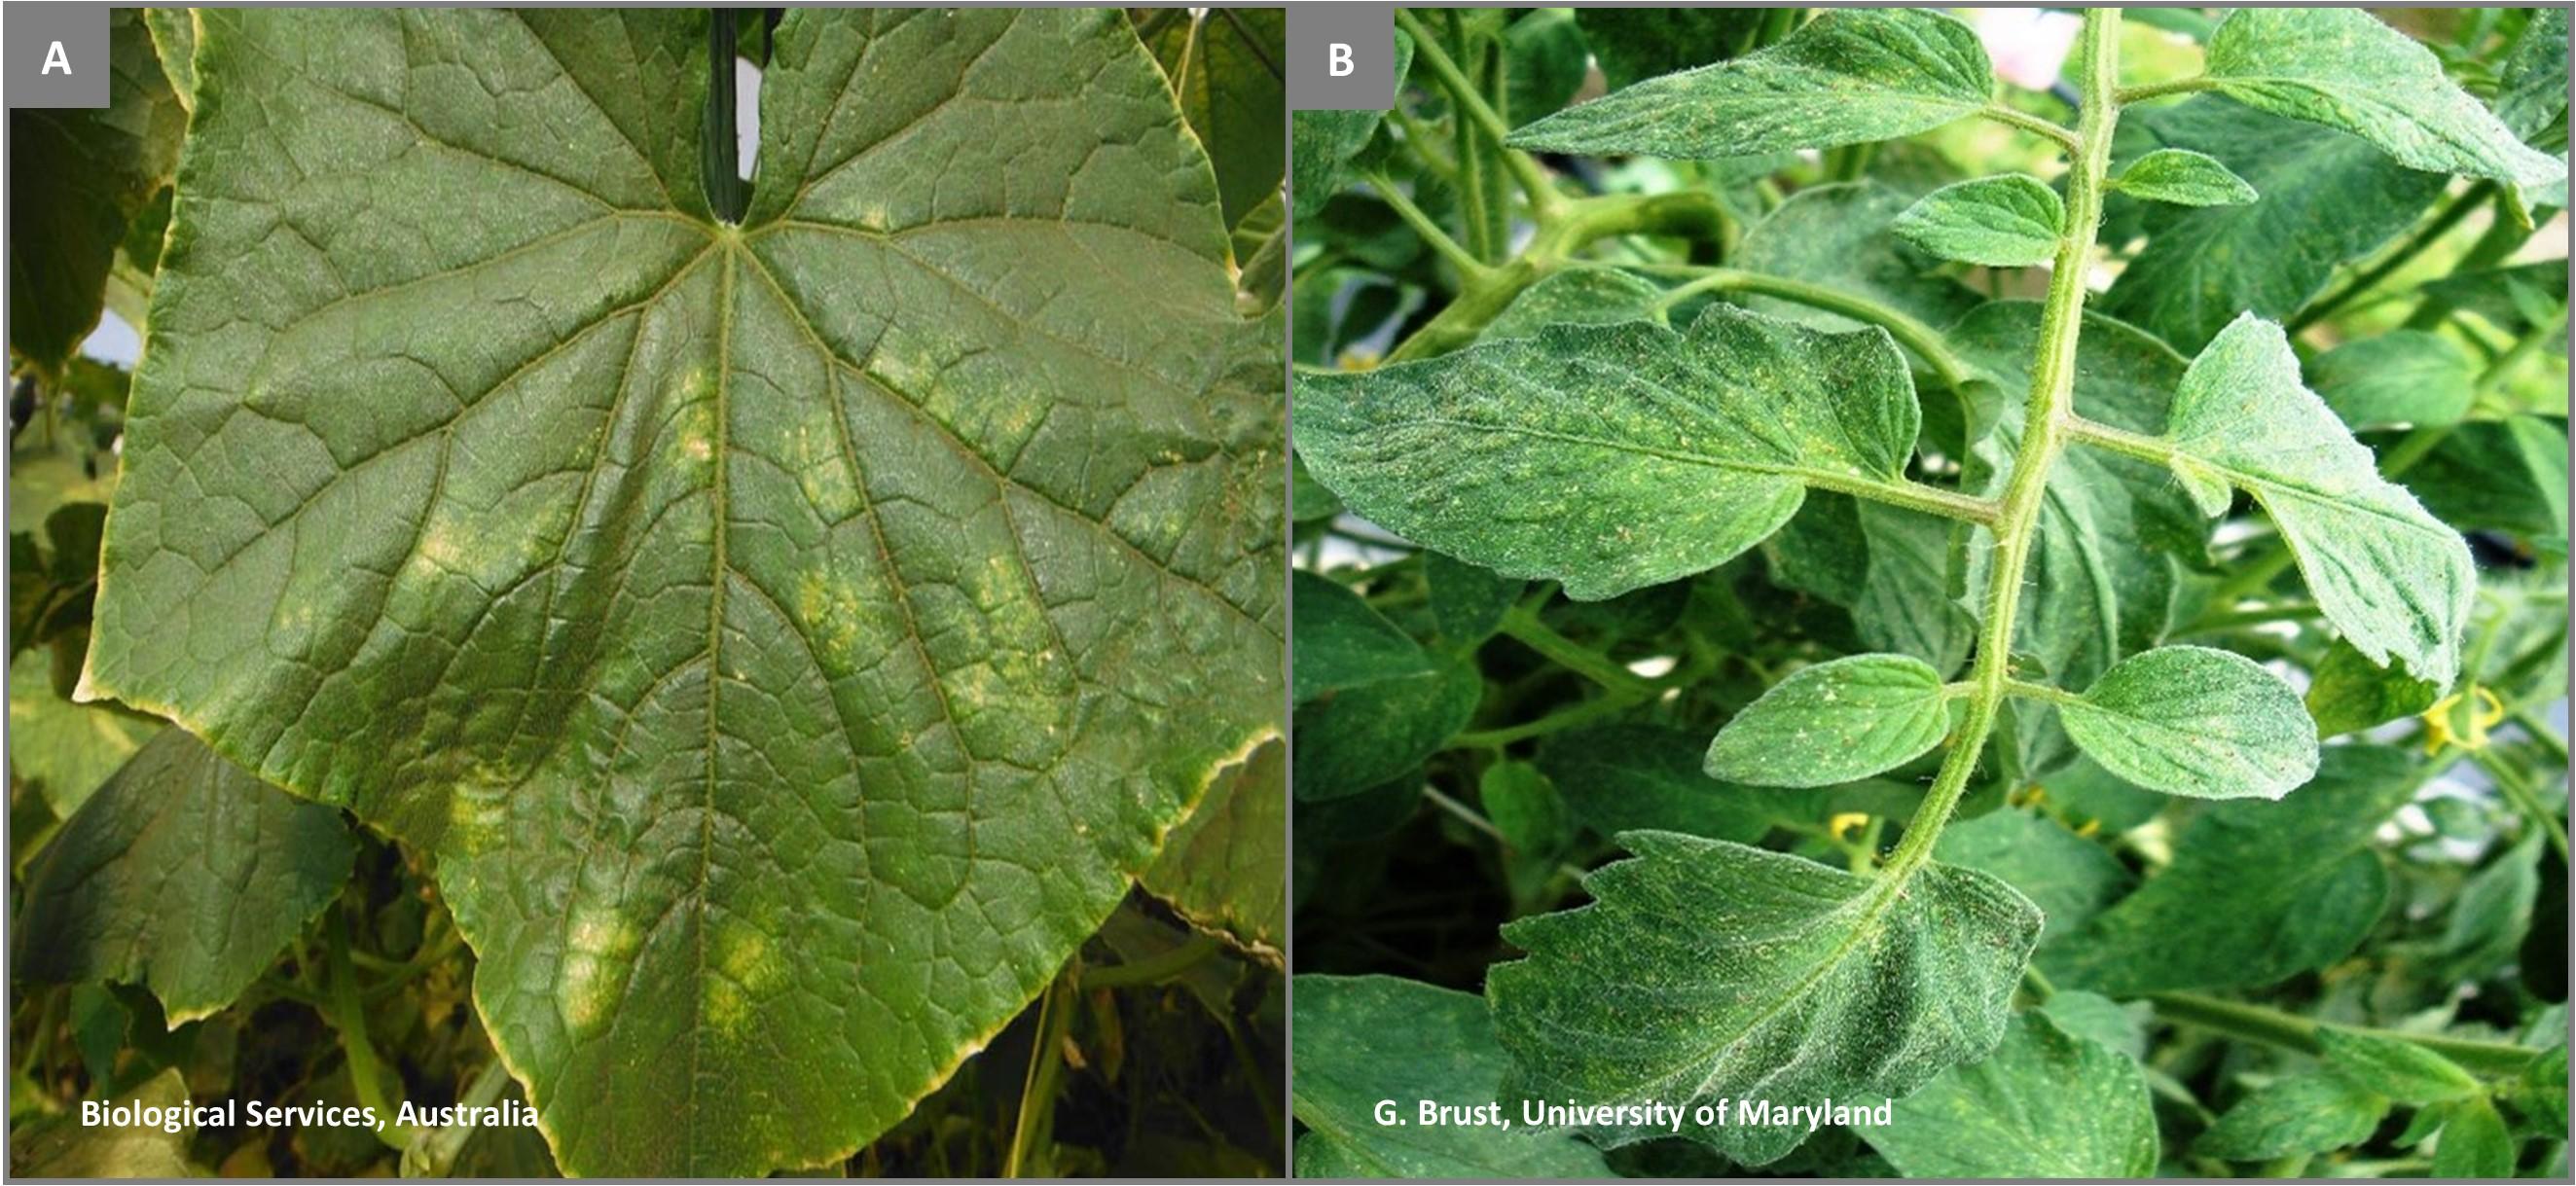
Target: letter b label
x: 1340, y: 61
x: 1340, y: 57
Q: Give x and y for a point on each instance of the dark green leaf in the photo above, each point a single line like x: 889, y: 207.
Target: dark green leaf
x: 2540, y: 1092
x: 184, y: 874
x: 1467, y: 601
x: 2181, y: 177
x: 793, y: 632
x: 1545, y: 60
x: 1220, y: 867
x: 1705, y: 970
x: 2327, y: 198
x: 2348, y: 693
x: 2069, y: 878
x: 66, y: 750
x: 1620, y: 778
x: 1577, y: 296
x: 1612, y: 457
x: 1835, y: 722
x: 1635, y: 44
x: 1323, y: 144
x: 2395, y: 580
x: 2506, y: 475
x: 1342, y: 643
x: 1362, y: 1039
x: 1525, y: 807
x: 2258, y: 890
x: 2288, y: 1117
x: 2342, y: 68
x: 2045, y: 1105
x: 78, y: 176
x: 1896, y: 571
x: 1842, y: 237
x: 1848, y: 76
x: 1359, y: 738
x: 1224, y: 65
x: 2196, y: 721
x: 2404, y: 376
x: 2531, y: 97
x: 2010, y: 221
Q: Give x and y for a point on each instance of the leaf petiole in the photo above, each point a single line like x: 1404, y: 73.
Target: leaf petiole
x: 1543, y: 199
x: 2024, y: 121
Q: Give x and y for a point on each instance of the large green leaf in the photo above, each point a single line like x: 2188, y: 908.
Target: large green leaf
x: 1834, y: 722
x: 66, y: 750
x: 785, y: 636
x: 2258, y: 890
x: 1224, y: 64
x: 2195, y: 721
x: 1363, y: 1039
x: 1635, y: 44
x: 1612, y: 457
x: 79, y: 175
x: 2394, y: 579
x: 2046, y: 1105
x: 1705, y: 970
x: 1342, y: 643
x: 2326, y: 198
x: 2342, y: 68
x: 2011, y: 221
x: 184, y: 874
x: 1848, y: 76
x: 1896, y: 570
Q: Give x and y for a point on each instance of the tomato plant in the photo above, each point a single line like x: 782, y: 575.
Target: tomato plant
x: 1827, y: 578
x: 684, y: 613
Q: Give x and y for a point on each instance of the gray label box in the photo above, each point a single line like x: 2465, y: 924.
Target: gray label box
x: 57, y: 55
x: 1341, y: 57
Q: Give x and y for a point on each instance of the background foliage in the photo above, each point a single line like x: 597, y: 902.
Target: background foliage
x: 2365, y: 978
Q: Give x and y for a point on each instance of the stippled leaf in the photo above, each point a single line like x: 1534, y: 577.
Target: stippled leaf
x: 1612, y: 457
x: 1635, y: 44
x: 1362, y: 1039
x: 1835, y: 722
x: 2342, y: 68
x: 1896, y: 571
x: 2069, y: 878
x: 2287, y: 1117
x: 2046, y: 1104
x: 2394, y: 579
x: 2300, y: 881
x: 1361, y: 737
x: 1343, y: 643
x: 2181, y: 177
x: 184, y: 874
x: 1791, y: 981
x: 1842, y: 237
x: 2196, y: 721
x: 1848, y: 76
x: 2010, y: 221
x: 801, y: 628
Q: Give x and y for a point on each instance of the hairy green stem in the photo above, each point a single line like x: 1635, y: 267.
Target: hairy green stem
x: 2271, y: 1026
x: 2025, y: 121
x: 2157, y: 90
x: 2052, y: 389
x: 1925, y: 341
x: 1543, y: 198
x: 2453, y: 210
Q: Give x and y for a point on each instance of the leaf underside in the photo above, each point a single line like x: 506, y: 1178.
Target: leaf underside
x: 789, y: 638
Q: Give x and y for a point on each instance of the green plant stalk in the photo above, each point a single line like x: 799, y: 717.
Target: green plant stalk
x: 1525, y: 627
x: 1160, y: 968
x: 2052, y: 392
x: 1469, y: 267
x: 347, y: 1013
x: 1575, y: 225
x: 1046, y: 1062
x: 2273, y: 1027
x: 434, y: 1154
x: 2524, y: 797
x: 1543, y: 198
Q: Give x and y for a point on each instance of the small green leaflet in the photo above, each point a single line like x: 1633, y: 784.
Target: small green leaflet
x: 2342, y: 68
x: 2181, y: 177
x: 2287, y: 1117
x: 2011, y: 221
x: 1524, y: 807
x: 1707, y: 970
x: 2402, y: 377
x: 2348, y: 693
x: 1835, y: 722
x: 2473, y: 1142
x: 1467, y: 602
x: 1842, y: 237
x: 1343, y: 643
x: 1612, y: 457
x: 2047, y: 1104
x: 1893, y: 568
x: 1846, y: 77
x: 1323, y: 144
x: 2258, y: 890
x: 2395, y: 580
x: 1359, y: 738
x: 1361, y: 1039
x: 2196, y: 721
x: 184, y: 874
x: 1620, y: 777
x: 2402, y: 1071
